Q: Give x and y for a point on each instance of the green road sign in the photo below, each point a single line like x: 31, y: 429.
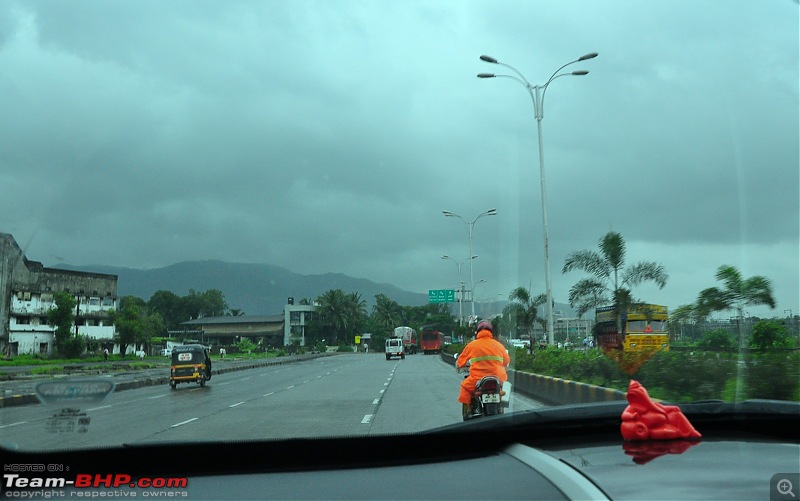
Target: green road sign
x: 441, y: 296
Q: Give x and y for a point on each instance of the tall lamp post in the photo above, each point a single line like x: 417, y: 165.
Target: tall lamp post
x: 459, y: 264
x: 537, y: 93
x: 481, y: 281
x: 470, y: 226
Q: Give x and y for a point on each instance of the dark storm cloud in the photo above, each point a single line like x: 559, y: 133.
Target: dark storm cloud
x: 329, y: 136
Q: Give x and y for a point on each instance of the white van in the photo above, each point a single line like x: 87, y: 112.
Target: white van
x: 394, y: 348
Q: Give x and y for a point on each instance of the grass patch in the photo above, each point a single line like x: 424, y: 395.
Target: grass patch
x: 48, y: 371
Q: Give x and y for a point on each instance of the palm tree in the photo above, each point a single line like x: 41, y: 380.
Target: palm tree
x: 523, y: 310
x: 611, y: 281
x: 333, y: 312
x: 387, y: 313
x: 737, y: 294
x: 342, y: 313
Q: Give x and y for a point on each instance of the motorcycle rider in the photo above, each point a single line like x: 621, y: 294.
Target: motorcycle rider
x: 486, y: 356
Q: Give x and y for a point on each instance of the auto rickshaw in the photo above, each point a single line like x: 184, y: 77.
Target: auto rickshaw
x: 191, y: 363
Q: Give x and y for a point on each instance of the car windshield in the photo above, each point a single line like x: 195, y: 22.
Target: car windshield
x: 290, y: 185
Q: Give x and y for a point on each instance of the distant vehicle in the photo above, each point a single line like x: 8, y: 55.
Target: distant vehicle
x: 431, y: 341
x: 645, y: 327
x: 409, y: 337
x: 394, y: 348
x: 166, y: 352
x: 191, y: 363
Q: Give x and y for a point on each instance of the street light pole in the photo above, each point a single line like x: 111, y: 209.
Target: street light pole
x: 470, y: 226
x: 537, y: 93
x: 461, y: 287
x: 481, y: 281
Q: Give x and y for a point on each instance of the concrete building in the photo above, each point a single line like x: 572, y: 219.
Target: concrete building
x: 276, y: 330
x: 27, y: 291
x: 226, y: 331
x: 574, y: 329
x: 295, y: 319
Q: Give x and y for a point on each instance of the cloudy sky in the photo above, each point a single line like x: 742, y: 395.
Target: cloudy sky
x: 329, y: 136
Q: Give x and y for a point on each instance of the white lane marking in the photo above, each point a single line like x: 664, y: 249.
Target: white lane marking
x: 375, y: 402
x: 236, y: 405
x: 268, y: 394
x: 12, y: 424
x: 265, y: 374
x: 385, y: 384
x: 245, y: 378
x: 157, y: 396
x: 383, y: 391
x: 184, y: 422
x: 306, y: 381
x: 289, y: 387
x: 367, y: 418
x: 318, y: 377
x: 98, y: 408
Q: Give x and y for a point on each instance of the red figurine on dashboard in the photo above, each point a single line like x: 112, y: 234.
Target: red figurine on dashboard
x: 645, y: 419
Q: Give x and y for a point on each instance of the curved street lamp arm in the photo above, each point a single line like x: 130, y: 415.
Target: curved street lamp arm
x: 544, y: 87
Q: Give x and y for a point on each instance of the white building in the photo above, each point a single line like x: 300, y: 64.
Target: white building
x: 295, y: 319
x: 27, y: 293
x: 573, y: 329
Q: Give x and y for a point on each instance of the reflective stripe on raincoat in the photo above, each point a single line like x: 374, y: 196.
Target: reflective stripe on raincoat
x: 487, y: 357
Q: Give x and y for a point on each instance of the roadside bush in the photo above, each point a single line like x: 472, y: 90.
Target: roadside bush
x: 773, y: 375
x: 73, y: 346
x: 770, y: 334
x: 592, y: 367
x: 687, y: 376
x: 452, y: 349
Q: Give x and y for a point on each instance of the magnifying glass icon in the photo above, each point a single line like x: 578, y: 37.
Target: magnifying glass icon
x: 785, y: 487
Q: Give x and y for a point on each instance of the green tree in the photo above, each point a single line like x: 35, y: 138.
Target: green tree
x: 769, y: 334
x: 357, y: 309
x: 611, y: 280
x: 174, y: 310
x: 736, y: 294
x: 340, y: 315
x: 62, y: 317
x: 168, y: 305
x: 717, y: 340
x: 135, y: 323
x: 386, y: 315
x: 523, y: 311
x: 127, y: 323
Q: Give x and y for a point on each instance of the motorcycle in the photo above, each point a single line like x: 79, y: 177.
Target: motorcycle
x: 490, y: 397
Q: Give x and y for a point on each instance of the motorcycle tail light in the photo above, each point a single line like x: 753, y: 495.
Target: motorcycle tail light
x: 489, y: 386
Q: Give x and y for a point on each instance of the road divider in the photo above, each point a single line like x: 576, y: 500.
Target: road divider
x: 21, y: 392
x: 553, y: 390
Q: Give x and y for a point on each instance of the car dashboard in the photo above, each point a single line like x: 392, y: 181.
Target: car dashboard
x: 567, y: 452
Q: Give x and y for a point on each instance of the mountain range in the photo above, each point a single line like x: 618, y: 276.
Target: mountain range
x: 256, y: 289
x: 263, y: 289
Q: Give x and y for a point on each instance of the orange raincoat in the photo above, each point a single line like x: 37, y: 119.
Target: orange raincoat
x: 487, y: 357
